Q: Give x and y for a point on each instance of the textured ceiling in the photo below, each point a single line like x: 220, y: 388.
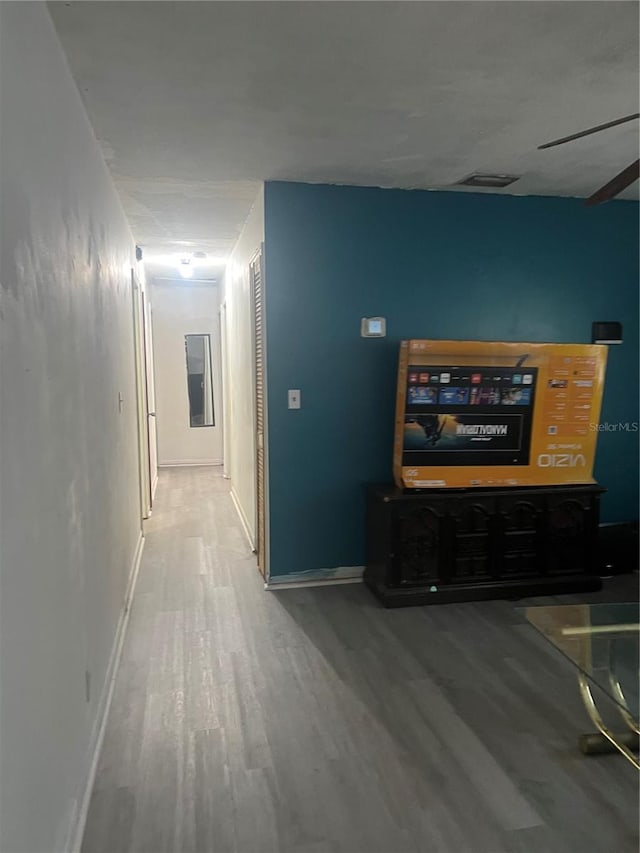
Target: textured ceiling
x: 195, y: 102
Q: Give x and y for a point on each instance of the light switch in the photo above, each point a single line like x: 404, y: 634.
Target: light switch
x: 294, y: 398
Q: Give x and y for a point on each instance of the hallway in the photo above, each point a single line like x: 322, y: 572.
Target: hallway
x: 312, y: 720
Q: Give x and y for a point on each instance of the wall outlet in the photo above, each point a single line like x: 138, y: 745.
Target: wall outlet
x: 294, y: 398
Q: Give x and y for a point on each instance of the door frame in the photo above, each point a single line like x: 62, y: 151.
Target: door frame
x: 225, y: 388
x: 142, y: 410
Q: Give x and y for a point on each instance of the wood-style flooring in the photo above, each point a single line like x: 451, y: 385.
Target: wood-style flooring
x: 312, y: 720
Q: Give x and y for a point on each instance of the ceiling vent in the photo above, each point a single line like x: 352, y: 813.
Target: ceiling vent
x: 488, y: 181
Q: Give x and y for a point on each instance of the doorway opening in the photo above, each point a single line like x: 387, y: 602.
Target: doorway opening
x: 210, y: 377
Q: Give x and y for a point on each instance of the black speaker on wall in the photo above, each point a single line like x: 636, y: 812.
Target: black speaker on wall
x: 606, y: 332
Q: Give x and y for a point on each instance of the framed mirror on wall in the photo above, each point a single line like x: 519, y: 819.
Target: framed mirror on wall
x: 199, y: 380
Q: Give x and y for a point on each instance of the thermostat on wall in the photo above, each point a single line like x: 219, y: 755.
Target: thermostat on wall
x: 373, y: 327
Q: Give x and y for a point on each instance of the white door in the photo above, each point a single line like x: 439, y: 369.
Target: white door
x: 224, y: 370
x: 151, y: 397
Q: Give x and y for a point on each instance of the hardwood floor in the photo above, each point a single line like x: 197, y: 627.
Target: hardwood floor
x: 312, y: 720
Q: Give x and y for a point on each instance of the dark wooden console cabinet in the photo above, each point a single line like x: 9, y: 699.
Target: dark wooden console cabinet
x: 465, y: 545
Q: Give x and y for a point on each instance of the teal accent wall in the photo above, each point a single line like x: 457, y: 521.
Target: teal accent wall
x: 436, y: 265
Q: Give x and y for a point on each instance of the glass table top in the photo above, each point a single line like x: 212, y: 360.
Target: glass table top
x: 602, y: 640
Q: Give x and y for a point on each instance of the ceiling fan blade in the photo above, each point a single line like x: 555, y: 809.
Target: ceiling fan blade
x: 589, y: 131
x: 616, y: 185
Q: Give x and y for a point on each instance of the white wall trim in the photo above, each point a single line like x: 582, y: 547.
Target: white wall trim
x: 154, y: 486
x: 185, y: 463
x: 316, y: 577
x: 243, y: 519
x: 224, y: 374
x: 79, y: 816
x: 265, y: 381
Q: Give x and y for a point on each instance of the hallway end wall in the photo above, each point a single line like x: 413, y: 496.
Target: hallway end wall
x: 69, y: 502
x: 241, y: 444
x: 182, y: 308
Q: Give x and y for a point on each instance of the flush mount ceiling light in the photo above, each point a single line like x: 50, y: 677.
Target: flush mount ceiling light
x: 488, y: 180
x: 185, y: 269
x: 176, y: 259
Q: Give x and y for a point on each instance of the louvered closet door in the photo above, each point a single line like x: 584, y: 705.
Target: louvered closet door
x: 257, y: 281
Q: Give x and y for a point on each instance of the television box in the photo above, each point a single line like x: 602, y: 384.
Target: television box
x: 477, y: 413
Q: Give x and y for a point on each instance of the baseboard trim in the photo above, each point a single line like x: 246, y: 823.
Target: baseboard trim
x: 316, y: 577
x: 189, y: 463
x: 79, y: 818
x: 243, y: 519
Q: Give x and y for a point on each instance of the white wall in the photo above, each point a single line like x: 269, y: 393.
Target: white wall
x: 69, y: 508
x: 241, y: 461
x: 179, y: 309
